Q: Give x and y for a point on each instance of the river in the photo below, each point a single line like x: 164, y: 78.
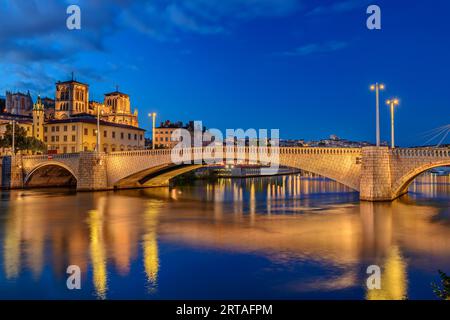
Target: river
x: 286, y: 237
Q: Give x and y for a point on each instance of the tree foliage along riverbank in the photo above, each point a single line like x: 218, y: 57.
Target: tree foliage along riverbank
x: 21, y: 140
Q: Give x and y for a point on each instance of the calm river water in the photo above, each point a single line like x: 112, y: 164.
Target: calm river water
x: 281, y: 237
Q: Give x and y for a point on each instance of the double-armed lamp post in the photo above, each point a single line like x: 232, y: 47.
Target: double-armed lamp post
x: 377, y: 87
x: 153, y: 116
x: 392, y: 103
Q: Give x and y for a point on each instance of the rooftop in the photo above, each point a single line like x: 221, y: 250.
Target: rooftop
x: 85, y: 118
x: 18, y: 118
x: 72, y: 81
x: 19, y: 93
x: 115, y: 93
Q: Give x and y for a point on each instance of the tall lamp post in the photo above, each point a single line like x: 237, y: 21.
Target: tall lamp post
x: 97, y: 146
x: 13, y: 123
x: 153, y: 116
x: 392, y: 103
x: 377, y: 87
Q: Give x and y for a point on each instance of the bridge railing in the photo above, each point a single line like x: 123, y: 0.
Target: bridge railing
x: 319, y: 151
x: 134, y: 153
x: 51, y: 156
x: 421, y: 152
x: 237, y: 150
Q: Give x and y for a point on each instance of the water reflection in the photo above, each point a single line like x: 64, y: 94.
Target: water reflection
x: 394, y: 280
x: 98, y: 255
x: 150, y: 245
x: 316, y: 236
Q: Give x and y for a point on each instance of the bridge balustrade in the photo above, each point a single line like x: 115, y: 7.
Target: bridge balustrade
x: 52, y: 156
x: 410, y: 152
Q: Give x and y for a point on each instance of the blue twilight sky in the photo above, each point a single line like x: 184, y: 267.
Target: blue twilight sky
x: 303, y: 66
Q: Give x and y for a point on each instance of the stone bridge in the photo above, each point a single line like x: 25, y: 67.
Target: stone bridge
x: 378, y: 173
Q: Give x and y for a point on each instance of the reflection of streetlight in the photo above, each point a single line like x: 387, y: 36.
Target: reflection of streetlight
x: 392, y: 102
x: 153, y: 116
x: 377, y: 87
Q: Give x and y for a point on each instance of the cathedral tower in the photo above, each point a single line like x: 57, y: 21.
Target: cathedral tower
x: 72, y: 97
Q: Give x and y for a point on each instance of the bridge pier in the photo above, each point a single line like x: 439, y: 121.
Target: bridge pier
x: 11, y: 172
x: 92, y: 174
x: 376, y: 180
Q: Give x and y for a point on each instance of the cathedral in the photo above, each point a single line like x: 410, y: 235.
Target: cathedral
x: 68, y: 123
x: 72, y: 99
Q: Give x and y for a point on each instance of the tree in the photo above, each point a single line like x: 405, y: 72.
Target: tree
x: 442, y: 291
x: 22, y: 142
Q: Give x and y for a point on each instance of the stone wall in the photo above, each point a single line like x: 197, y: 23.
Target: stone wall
x: 340, y: 164
x: 92, y: 168
x: 375, y: 181
x: 12, y: 173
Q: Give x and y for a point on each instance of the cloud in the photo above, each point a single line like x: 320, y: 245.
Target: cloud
x: 31, y: 30
x: 241, y: 9
x: 338, y: 7
x: 34, y: 33
x: 178, y: 17
x: 164, y: 19
x: 316, y: 48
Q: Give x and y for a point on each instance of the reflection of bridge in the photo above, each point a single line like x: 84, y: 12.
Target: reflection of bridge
x: 378, y: 173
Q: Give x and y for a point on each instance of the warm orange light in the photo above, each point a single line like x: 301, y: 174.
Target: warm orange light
x: 393, y: 101
x: 379, y: 86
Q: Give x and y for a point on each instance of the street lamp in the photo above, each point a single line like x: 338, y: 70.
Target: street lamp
x: 13, y: 123
x: 392, y: 103
x: 97, y: 146
x: 153, y: 116
x: 377, y: 87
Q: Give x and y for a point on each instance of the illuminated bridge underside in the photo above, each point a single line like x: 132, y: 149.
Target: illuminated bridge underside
x: 378, y: 173
x: 159, y: 176
x: 50, y: 176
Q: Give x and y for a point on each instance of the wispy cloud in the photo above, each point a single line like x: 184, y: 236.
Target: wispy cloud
x: 338, y: 7
x: 163, y: 19
x: 316, y: 48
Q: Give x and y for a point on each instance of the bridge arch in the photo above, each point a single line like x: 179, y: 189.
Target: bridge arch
x: 158, y: 176
x: 70, y: 177
x: 401, y: 185
x: 132, y: 169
